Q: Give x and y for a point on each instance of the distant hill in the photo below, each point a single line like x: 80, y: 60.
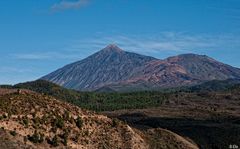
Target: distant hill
x: 215, y: 85
x: 40, y: 121
x: 51, y: 89
x: 186, y: 111
x: 112, y: 69
x: 108, y: 101
x: 32, y: 120
x: 95, y: 100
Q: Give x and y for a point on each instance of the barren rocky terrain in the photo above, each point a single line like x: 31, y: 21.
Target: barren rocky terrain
x: 113, y: 69
x: 211, y: 120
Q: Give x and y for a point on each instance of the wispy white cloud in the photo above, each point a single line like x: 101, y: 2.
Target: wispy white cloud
x: 69, y: 4
x: 165, y: 43
x: 170, y: 42
x: 43, y: 56
x: 14, y: 70
x: 229, y: 9
x: 12, y: 74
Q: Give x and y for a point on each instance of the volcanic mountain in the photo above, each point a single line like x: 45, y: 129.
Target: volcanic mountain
x: 112, y: 69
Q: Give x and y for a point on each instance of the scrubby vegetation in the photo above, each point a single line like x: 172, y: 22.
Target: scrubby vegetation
x: 36, y: 137
x: 133, y: 100
x: 79, y: 122
x: 98, y: 101
x: 47, y: 122
x: 54, y: 141
x: 214, y: 105
x: 13, y: 133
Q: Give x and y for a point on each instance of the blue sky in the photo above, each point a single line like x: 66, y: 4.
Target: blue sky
x: 37, y: 37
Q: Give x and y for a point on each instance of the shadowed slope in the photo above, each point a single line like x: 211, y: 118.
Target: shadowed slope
x: 113, y: 69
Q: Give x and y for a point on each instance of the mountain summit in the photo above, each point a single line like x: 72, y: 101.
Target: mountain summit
x: 114, y: 69
x: 112, y: 48
x: 108, y: 66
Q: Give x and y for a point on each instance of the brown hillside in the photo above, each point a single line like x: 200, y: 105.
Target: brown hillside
x: 32, y: 120
x: 43, y: 122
